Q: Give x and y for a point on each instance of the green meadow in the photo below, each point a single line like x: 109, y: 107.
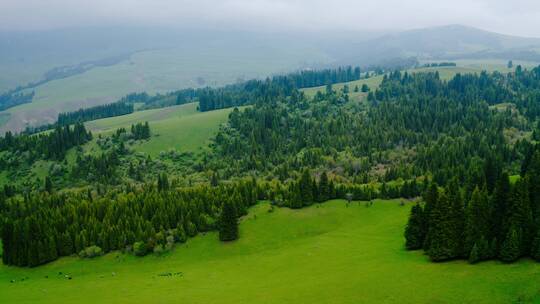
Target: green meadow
x: 328, y: 253
x: 182, y: 127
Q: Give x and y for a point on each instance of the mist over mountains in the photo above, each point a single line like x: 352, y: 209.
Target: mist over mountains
x: 76, y: 68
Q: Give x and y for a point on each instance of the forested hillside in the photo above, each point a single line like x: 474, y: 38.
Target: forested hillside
x: 397, y: 140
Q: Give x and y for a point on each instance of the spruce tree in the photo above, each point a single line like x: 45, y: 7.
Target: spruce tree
x: 477, y: 222
x: 306, y: 190
x: 456, y: 218
x: 474, y: 256
x: 441, y: 245
x: 324, y: 188
x: 228, y: 224
x: 520, y: 215
x: 414, y: 231
x: 510, y: 249
x: 500, y: 202
x: 48, y: 184
x: 535, y: 245
x: 533, y: 176
x: 430, y: 197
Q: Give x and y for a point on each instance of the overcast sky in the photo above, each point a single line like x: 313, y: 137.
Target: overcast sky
x: 517, y: 17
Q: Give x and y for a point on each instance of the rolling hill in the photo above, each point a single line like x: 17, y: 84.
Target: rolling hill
x: 85, y: 67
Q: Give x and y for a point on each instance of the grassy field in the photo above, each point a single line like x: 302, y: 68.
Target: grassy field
x: 323, y: 254
x: 180, y: 127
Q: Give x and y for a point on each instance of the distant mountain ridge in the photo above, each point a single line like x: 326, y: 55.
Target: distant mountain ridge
x: 443, y: 42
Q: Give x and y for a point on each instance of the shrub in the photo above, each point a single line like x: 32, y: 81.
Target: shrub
x: 158, y: 249
x: 91, y: 252
x: 139, y: 248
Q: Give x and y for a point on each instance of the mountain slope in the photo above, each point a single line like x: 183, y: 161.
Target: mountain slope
x: 452, y: 41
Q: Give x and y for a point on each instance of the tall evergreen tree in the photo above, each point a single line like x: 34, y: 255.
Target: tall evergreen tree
x: 456, y: 219
x: 228, y: 223
x: 520, y: 216
x: 306, y: 188
x: 441, y: 244
x: 431, y: 198
x: 477, y: 225
x: 414, y: 231
x: 48, y: 184
x: 510, y: 249
x: 500, y: 202
x: 324, y: 188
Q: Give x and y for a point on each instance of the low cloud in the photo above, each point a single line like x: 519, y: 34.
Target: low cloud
x: 517, y: 17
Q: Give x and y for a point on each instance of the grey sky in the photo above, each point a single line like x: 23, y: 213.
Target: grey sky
x: 518, y: 17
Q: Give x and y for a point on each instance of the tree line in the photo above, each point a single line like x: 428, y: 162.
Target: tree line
x: 499, y: 223
x: 50, y: 145
x: 41, y: 227
x: 93, y: 113
x: 14, y: 98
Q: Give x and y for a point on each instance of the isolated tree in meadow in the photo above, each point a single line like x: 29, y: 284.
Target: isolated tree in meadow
x: 365, y: 88
x: 228, y: 223
x: 414, y: 231
x: 329, y: 89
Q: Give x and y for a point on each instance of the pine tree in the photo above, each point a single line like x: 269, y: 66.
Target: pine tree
x: 477, y: 222
x: 474, y: 256
x: 414, y: 231
x: 228, y: 226
x: 535, y: 245
x: 48, y: 184
x: 533, y: 176
x: 441, y: 245
x: 520, y: 215
x: 456, y: 218
x: 306, y: 190
x: 214, y: 179
x: 430, y: 197
x: 500, y: 202
x: 510, y: 249
x: 492, y: 172
x: 365, y: 88
x: 324, y: 188
x: 163, y: 182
